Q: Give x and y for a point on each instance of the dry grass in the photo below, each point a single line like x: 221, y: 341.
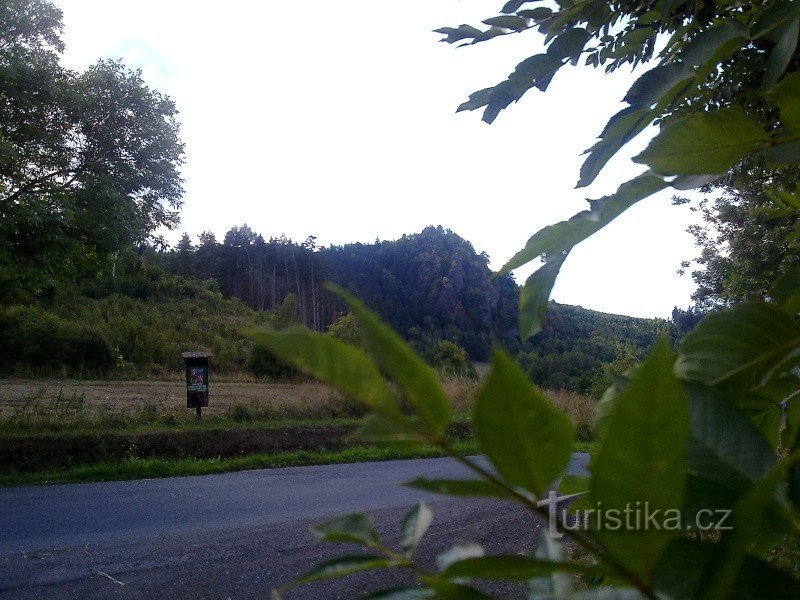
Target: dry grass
x: 118, y: 396
x: 578, y: 407
x: 70, y: 404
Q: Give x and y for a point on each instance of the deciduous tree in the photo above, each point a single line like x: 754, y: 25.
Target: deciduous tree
x: 89, y: 162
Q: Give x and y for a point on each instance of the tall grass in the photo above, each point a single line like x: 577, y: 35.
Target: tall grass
x: 462, y: 392
x: 39, y: 413
x: 114, y: 406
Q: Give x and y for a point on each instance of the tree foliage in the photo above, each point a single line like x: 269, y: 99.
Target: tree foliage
x: 89, y: 162
x: 748, y: 239
x: 718, y: 91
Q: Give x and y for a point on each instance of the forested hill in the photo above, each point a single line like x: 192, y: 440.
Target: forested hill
x: 146, y: 305
x: 577, y: 346
x: 429, y: 286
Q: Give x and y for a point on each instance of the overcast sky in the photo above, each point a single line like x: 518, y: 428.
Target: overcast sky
x: 337, y: 119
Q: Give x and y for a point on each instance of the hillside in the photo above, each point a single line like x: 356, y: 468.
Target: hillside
x: 137, y: 317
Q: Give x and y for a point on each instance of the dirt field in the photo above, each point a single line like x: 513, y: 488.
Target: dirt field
x: 127, y: 395
x: 63, y: 404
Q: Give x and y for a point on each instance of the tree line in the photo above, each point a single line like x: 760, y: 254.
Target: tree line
x: 431, y: 286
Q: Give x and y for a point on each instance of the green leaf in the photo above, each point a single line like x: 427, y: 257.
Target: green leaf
x: 490, y: 33
x: 631, y: 121
x: 339, y: 567
x: 562, y: 237
x: 476, y: 99
x: 457, y: 553
x: 793, y: 488
x: 781, y: 55
x: 792, y: 430
x: 782, y: 198
x: 512, y: 6
x: 419, y: 383
x: 571, y: 485
x: 535, y: 294
x: 508, y: 22
x: 642, y: 458
x: 650, y: 87
x: 620, y: 129
x: 725, y: 432
x: 706, y: 44
x: 456, y: 34
x: 466, y: 488
x: 703, y: 143
x: 569, y: 44
x: 355, y: 528
x: 415, y: 524
x: 340, y: 364
x: 747, y: 524
x: 768, y: 422
x: 513, y: 567
x: 740, y: 347
x: 782, y: 153
x: 534, y: 68
x: 540, y: 13
x: 534, y: 71
x: 376, y: 429
x: 772, y: 19
x: 683, y: 563
x: 786, y: 96
x: 527, y: 439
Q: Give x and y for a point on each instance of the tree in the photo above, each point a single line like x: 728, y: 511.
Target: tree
x: 89, y: 162
x: 747, y: 241
x: 692, y: 430
x: 346, y: 329
x: 184, y: 258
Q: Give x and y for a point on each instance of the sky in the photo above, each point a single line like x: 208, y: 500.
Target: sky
x: 337, y: 119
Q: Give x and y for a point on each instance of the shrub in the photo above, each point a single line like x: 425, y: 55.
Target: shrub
x: 240, y: 413
x: 452, y: 361
x: 36, y: 338
x: 347, y: 330
x: 263, y: 363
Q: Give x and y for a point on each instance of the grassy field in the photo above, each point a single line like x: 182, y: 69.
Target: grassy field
x: 65, y: 430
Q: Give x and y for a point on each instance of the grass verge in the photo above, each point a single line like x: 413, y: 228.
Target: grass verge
x: 140, y: 468
x: 150, y: 468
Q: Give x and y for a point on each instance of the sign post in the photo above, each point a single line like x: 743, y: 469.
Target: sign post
x: 196, y: 380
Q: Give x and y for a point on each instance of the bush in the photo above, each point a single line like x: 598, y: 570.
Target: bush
x: 452, y: 360
x: 262, y: 363
x: 35, y: 338
x: 346, y: 329
x: 240, y: 413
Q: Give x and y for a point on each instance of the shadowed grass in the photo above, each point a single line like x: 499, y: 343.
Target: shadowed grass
x: 137, y: 468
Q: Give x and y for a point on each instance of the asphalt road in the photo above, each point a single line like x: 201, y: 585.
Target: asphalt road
x: 233, y: 535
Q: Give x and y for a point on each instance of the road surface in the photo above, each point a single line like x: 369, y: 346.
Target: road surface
x: 234, y: 535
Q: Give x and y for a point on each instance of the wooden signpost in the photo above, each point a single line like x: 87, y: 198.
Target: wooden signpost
x: 196, y: 380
